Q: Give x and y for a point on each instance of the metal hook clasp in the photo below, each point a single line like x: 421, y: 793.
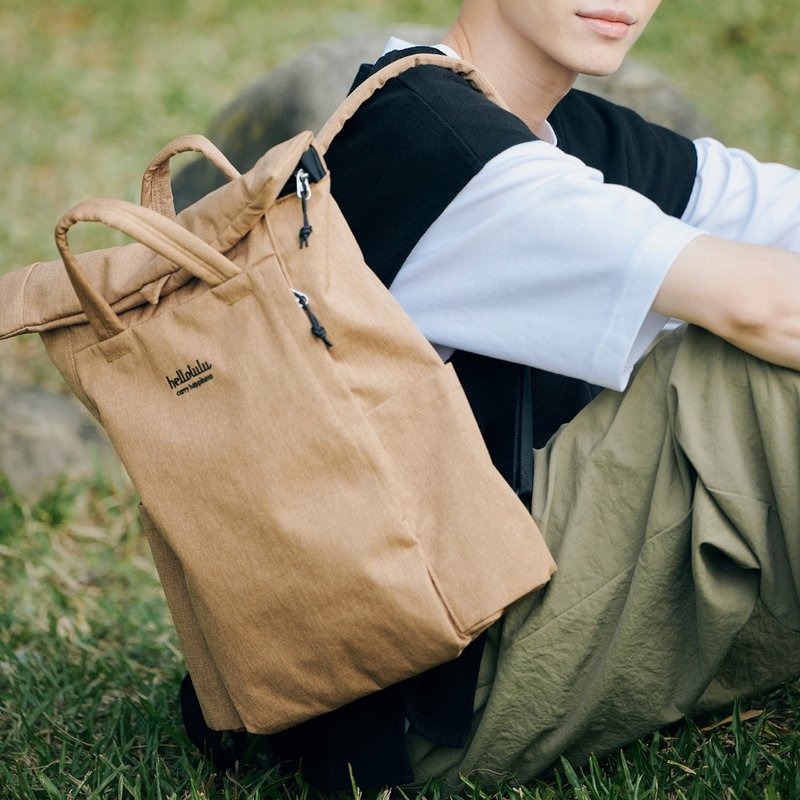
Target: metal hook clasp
x: 303, y: 185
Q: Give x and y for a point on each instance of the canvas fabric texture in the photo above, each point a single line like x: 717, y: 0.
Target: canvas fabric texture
x: 672, y: 510
x: 320, y: 516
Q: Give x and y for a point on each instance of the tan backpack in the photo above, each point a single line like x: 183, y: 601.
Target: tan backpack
x: 321, y: 507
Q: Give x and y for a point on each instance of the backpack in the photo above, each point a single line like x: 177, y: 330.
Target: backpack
x: 320, y: 505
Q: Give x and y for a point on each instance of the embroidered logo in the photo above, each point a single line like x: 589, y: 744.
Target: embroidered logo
x: 192, y: 377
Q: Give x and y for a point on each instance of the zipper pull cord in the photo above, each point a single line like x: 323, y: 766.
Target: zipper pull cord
x: 316, y: 329
x: 304, y: 193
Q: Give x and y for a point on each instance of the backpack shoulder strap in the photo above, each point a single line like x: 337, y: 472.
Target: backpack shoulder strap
x: 363, y: 92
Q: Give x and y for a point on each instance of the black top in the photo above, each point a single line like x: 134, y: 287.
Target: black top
x: 394, y: 168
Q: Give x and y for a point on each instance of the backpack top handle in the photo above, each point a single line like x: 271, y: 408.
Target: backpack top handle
x: 175, y: 243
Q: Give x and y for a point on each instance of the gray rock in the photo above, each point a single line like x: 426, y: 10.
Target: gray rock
x: 302, y: 93
x: 44, y: 435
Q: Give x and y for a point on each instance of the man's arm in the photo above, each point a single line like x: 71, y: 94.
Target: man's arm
x: 746, y: 294
x: 737, y: 197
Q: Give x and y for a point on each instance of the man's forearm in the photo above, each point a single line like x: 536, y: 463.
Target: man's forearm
x: 747, y: 294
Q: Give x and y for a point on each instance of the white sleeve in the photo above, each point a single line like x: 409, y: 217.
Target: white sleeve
x: 539, y: 262
x: 738, y: 197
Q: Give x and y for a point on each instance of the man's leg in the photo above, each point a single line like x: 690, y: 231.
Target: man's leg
x: 672, y: 510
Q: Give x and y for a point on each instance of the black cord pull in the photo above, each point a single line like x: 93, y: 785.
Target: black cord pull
x: 316, y: 328
x: 304, y: 193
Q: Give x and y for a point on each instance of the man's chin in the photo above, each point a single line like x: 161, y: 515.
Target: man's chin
x: 600, y: 72
x: 601, y: 65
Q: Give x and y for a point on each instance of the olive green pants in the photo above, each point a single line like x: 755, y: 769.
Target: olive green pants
x: 673, y: 512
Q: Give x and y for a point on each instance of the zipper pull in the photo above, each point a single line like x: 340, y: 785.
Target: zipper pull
x: 316, y: 328
x: 304, y: 193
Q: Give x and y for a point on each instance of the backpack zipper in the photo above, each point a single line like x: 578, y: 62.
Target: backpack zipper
x: 316, y: 327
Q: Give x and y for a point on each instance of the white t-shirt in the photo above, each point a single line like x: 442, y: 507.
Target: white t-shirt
x: 571, y: 291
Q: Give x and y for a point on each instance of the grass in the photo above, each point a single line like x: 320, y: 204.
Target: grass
x: 89, y: 664
x: 89, y: 670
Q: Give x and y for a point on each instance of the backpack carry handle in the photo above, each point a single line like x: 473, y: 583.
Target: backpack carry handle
x: 178, y: 245
x: 156, y: 187
x: 374, y: 83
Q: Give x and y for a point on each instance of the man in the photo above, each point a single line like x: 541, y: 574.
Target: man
x: 544, y: 249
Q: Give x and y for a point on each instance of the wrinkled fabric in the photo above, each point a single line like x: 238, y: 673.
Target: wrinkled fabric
x: 672, y: 510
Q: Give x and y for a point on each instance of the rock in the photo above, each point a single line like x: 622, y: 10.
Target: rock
x: 44, y: 435
x: 302, y: 93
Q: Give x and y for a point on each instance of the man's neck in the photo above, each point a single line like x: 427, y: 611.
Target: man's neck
x: 530, y: 86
